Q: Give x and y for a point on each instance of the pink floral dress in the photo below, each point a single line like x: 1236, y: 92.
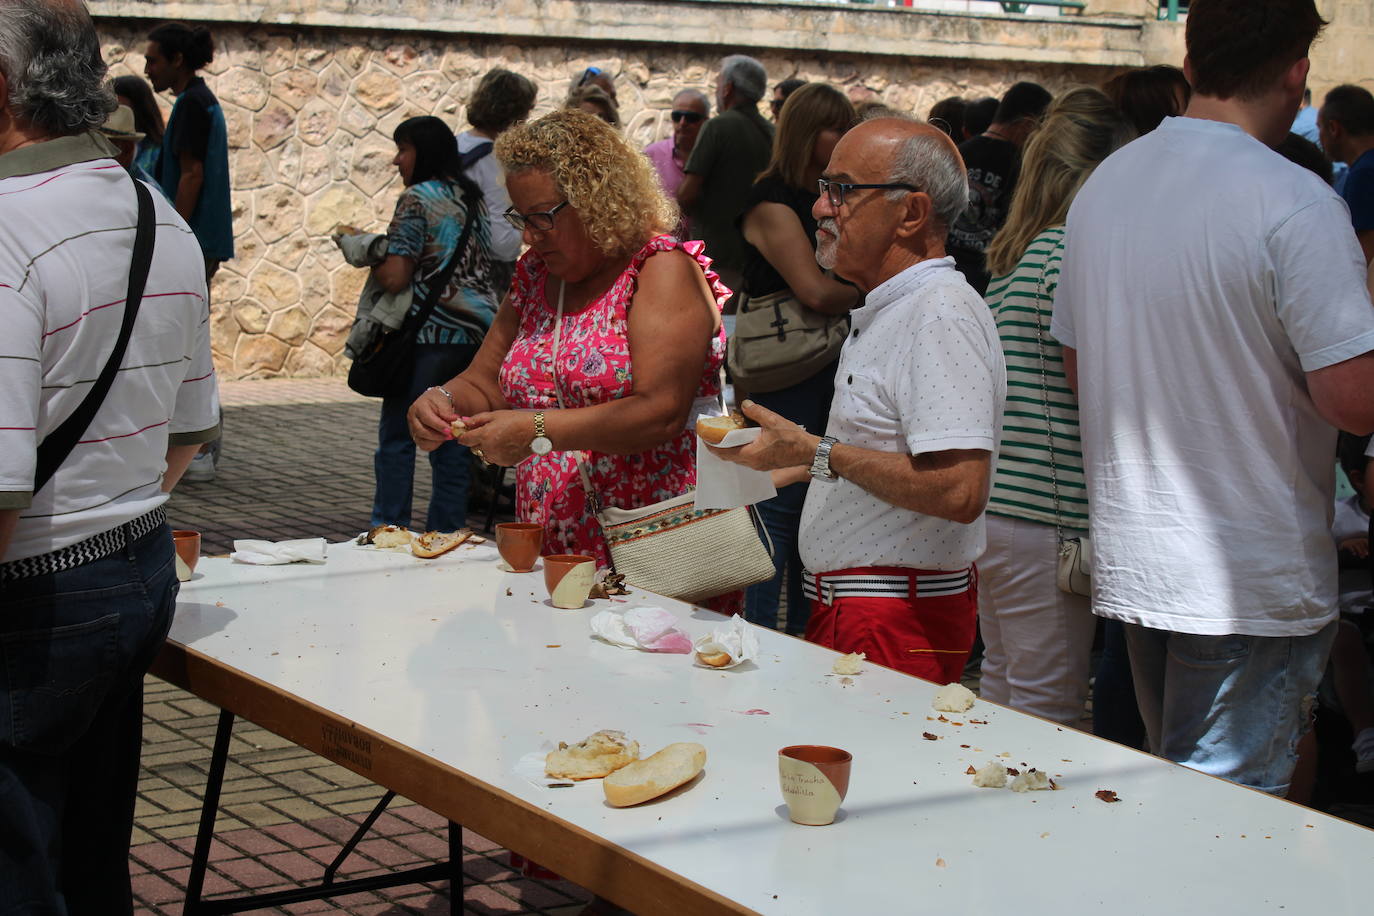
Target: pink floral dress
x: 593, y: 368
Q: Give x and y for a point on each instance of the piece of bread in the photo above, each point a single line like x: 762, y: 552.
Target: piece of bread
x: 713, y: 429
x: 714, y: 659
x: 853, y: 663
x: 597, y: 755
x: 434, y: 543
x: 654, y: 776
x: 387, y: 536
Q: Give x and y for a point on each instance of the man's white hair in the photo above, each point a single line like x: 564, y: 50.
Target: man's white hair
x: 746, y: 75
x: 934, y: 165
x: 50, y: 55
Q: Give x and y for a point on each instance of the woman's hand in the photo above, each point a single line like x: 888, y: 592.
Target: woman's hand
x: 430, y: 419
x: 500, y: 436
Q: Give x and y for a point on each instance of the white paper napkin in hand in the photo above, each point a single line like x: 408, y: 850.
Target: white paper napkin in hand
x: 270, y: 553
x: 652, y: 629
x: 722, y: 485
x: 737, y: 640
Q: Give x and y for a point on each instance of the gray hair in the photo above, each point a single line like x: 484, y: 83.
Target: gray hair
x: 746, y: 75
x: 50, y: 55
x: 933, y: 164
x: 695, y: 96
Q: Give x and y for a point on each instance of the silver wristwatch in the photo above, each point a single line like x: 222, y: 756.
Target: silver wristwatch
x: 820, y: 464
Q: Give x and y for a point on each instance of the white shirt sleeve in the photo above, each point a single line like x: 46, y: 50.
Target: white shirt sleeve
x: 21, y: 375
x: 947, y: 393
x: 197, y: 400
x: 1319, y: 285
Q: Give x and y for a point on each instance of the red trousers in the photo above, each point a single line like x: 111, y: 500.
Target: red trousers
x: 928, y: 635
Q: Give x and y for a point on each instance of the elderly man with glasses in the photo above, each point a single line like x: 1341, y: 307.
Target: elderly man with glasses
x: 669, y: 155
x: 893, y: 518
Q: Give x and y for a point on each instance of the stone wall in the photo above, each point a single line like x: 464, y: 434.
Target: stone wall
x: 310, y: 113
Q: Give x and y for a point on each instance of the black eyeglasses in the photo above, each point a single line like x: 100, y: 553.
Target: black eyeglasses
x: 691, y: 117
x: 834, y: 191
x: 540, y: 222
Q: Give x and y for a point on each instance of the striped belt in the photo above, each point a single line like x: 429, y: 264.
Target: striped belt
x: 87, y: 551
x: 826, y: 587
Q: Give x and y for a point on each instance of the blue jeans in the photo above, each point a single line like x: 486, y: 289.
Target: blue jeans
x: 394, y: 462
x: 1116, y: 715
x: 807, y: 403
x: 74, y: 647
x: 1232, y: 706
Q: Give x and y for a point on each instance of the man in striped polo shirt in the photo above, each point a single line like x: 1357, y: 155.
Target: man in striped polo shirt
x: 893, y: 518
x: 87, y: 576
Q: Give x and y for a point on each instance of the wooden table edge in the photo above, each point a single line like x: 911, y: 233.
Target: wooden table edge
x: 595, y: 863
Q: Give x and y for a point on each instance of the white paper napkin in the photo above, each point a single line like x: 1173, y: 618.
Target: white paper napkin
x: 652, y: 629
x: 737, y: 639
x: 722, y: 485
x: 270, y: 553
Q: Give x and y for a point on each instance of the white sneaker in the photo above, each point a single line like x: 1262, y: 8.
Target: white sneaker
x: 201, y: 468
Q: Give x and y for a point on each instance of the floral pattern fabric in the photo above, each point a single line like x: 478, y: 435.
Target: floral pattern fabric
x: 593, y: 368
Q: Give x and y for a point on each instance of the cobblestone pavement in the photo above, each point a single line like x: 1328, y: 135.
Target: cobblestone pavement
x: 297, y: 462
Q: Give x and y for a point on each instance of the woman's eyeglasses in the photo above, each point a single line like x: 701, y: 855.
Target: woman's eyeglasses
x: 541, y: 221
x: 691, y: 117
x: 834, y: 191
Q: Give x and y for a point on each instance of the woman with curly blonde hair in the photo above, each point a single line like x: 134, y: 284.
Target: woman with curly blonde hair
x: 608, y: 345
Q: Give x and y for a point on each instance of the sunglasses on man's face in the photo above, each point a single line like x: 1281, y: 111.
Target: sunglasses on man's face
x: 691, y: 117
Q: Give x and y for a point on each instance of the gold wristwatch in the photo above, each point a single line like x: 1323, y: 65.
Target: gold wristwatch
x: 540, y: 445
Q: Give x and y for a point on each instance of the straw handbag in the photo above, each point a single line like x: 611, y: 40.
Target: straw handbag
x: 672, y: 548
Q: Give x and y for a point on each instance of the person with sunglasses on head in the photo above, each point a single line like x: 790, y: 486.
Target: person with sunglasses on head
x: 669, y: 155
x: 606, y: 349
x: 893, y: 517
x: 780, y: 259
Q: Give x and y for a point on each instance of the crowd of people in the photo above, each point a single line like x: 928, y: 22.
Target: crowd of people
x: 1063, y: 369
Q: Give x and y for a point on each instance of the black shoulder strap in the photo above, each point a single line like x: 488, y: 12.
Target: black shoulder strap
x: 440, y: 280
x: 475, y: 155
x: 55, y: 448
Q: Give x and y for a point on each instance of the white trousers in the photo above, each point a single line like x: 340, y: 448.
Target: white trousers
x: 1038, y: 640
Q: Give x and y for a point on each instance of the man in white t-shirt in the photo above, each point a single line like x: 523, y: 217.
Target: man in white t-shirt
x: 893, y: 518
x: 1217, y: 331
x: 87, y: 573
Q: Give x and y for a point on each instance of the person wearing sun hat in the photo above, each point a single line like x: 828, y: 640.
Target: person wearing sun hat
x: 119, y: 130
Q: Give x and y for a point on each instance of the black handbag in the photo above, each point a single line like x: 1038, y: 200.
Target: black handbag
x: 58, y: 445
x: 384, y: 370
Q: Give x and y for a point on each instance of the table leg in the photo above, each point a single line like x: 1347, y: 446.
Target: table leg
x: 209, y: 809
x: 455, y: 863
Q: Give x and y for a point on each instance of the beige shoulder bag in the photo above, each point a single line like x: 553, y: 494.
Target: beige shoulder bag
x: 673, y: 548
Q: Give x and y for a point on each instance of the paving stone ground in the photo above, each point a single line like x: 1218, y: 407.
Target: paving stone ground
x: 297, y: 462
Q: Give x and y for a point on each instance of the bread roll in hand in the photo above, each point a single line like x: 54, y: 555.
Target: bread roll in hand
x: 714, y: 429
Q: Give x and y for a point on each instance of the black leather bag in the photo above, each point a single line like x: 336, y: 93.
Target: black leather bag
x: 384, y: 370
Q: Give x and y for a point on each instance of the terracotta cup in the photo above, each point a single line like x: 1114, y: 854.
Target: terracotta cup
x: 187, y: 545
x: 569, y: 578
x: 519, y: 544
x: 814, y: 781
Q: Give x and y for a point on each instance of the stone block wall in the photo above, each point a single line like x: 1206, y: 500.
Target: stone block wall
x: 311, y: 110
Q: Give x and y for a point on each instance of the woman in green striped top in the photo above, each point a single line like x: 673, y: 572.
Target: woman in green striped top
x: 1038, y: 639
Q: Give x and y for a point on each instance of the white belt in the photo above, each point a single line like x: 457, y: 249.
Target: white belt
x: 826, y: 587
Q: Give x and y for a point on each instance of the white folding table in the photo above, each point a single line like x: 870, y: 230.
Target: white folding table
x: 433, y: 678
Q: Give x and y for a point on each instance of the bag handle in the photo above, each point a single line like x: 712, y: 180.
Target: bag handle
x: 436, y: 290
x: 1045, y: 399
x: 57, y: 446
x: 591, y: 493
